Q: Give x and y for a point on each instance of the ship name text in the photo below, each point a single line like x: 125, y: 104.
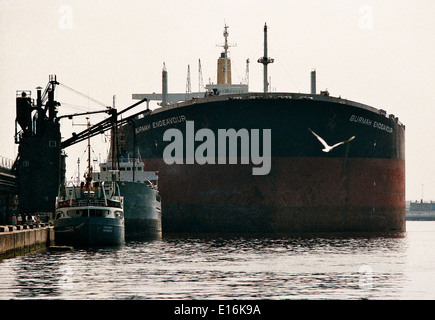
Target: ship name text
x: 371, y: 123
x: 161, y: 123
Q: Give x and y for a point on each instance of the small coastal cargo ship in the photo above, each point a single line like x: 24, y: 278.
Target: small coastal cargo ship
x: 142, y: 210
x: 90, y: 215
x: 421, y: 211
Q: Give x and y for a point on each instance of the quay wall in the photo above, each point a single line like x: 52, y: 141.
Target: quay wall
x: 16, y: 240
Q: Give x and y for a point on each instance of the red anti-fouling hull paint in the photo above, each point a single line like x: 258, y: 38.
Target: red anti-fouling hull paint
x: 298, y: 195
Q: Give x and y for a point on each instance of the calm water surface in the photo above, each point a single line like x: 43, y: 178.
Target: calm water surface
x: 387, y: 266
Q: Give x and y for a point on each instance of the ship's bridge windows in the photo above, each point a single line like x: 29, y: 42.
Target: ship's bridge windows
x: 87, y: 213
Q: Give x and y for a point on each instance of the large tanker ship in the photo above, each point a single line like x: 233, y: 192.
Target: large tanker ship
x: 272, y: 162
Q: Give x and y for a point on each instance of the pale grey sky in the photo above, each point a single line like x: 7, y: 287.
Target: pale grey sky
x: 379, y: 53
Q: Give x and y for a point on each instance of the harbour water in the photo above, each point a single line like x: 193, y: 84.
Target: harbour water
x: 345, y: 267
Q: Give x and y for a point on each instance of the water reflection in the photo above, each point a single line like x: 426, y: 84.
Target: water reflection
x: 302, y: 266
x: 293, y: 243
x: 38, y: 275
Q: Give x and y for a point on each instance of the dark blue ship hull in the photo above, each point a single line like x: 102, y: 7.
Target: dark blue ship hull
x: 89, y: 231
x: 142, y: 212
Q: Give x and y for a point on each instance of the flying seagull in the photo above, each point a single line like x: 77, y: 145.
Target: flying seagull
x: 327, y: 147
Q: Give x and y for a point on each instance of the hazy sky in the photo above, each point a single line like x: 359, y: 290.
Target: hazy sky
x: 380, y: 53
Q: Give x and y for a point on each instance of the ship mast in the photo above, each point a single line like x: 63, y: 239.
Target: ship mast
x: 88, y: 176
x: 226, y: 53
x: 226, y: 61
x: 265, y: 60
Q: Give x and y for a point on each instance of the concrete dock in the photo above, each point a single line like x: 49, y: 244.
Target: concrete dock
x: 20, y: 239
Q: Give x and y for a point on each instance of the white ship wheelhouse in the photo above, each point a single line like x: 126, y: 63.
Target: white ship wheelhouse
x: 102, y: 201
x: 128, y: 169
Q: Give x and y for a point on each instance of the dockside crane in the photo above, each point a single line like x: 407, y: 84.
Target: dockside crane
x: 40, y: 163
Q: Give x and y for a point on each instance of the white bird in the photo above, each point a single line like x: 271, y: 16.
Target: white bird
x: 327, y: 147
